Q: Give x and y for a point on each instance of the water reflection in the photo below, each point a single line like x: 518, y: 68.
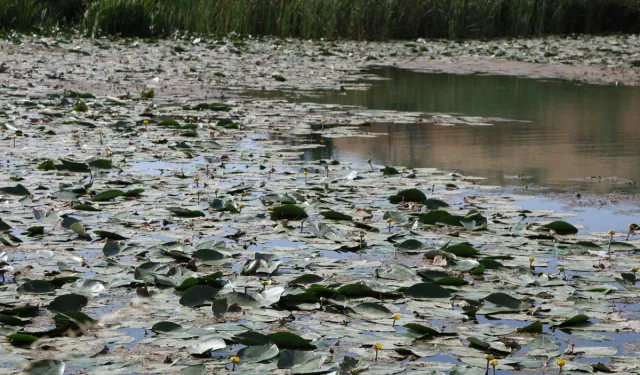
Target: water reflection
x: 571, y: 132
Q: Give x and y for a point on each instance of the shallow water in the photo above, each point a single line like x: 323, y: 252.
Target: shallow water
x: 564, y: 134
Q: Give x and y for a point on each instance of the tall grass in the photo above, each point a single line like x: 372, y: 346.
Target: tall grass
x: 353, y: 19
x: 24, y: 15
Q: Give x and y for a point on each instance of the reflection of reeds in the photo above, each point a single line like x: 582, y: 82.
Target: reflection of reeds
x: 357, y: 19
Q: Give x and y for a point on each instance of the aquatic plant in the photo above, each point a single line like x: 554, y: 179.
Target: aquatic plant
x: 377, y: 347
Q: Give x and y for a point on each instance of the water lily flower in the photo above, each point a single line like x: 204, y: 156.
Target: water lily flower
x: 396, y: 317
x: 146, y: 124
x: 389, y: 220
x: 377, y: 347
x: 489, y: 358
x: 561, y: 363
x: 108, y: 150
x: 306, y: 175
x: 531, y: 260
x: 100, y: 134
x: 14, y: 137
x: 196, y: 180
x: 265, y: 283
x: 494, y: 363
x: 634, y: 270
x: 234, y: 361
x: 212, y: 133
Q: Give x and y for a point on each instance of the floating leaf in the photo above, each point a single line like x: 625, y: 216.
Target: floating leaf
x: 73, y: 320
x: 183, y: 212
x: 21, y: 340
x: 108, y: 195
x: 408, y: 195
x: 461, y: 250
x: 451, y: 281
x: 78, y: 228
x: 111, y: 249
x: 288, y: 340
x: 277, y: 198
x: 85, y: 207
x: 165, y: 327
x: 258, y: 353
x: 307, y: 279
x: 251, y: 338
x: 334, y: 215
x: 109, y: 235
x: 535, y: 327
x: 423, y: 330
x: 372, y: 310
x: 68, y: 302
x: 426, y: 290
x: 100, y: 163
x: 301, y: 362
x: 576, y: 320
x: 434, y: 204
x: 503, y: 299
x: 206, y: 346
x: 288, y: 211
x: 433, y: 217
x: 561, y: 227
x: 12, y: 320
x: 36, y: 287
x: 390, y: 171
x: 73, y: 166
x: 4, y: 226
x: 198, y: 295
x: 409, y: 245
x: 15, y: 190
x: 194, y: 370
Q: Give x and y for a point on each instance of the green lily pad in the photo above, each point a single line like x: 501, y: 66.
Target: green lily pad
x: 36, y: 287
x: 183, y: 212
x: 561, y: 227
x: 333, y: 215
x: 288, y: 340
x: 408, y: 195
x: 574, y: 321
x: 288, y: 211
x: 535, y: 327
x: 15, y: 190
x: 198, y: 295
x: 68, y: 302
x: 108, y: 195
x: 260, y: 353
x: 426, y: 291
x: 21, y: 340
x: 165, y: 327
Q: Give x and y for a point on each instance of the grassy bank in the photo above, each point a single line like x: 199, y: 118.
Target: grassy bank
x: 353, y: 19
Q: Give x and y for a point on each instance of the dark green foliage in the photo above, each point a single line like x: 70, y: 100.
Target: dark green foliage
x: 331, y: 19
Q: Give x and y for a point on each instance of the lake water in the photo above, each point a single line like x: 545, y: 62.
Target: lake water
x: 568, y: 136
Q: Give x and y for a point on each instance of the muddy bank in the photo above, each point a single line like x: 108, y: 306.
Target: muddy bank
x: 598, y: 60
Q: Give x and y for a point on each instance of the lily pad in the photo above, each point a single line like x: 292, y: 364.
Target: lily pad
x: 68, y: 302
x: 561, y: 227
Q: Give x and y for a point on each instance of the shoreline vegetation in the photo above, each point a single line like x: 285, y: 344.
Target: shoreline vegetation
x: 329, y: 19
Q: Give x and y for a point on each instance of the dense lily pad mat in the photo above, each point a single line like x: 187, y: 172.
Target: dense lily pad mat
x: 130, y: 247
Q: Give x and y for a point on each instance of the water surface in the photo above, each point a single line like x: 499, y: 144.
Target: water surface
x: 568, y: 135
